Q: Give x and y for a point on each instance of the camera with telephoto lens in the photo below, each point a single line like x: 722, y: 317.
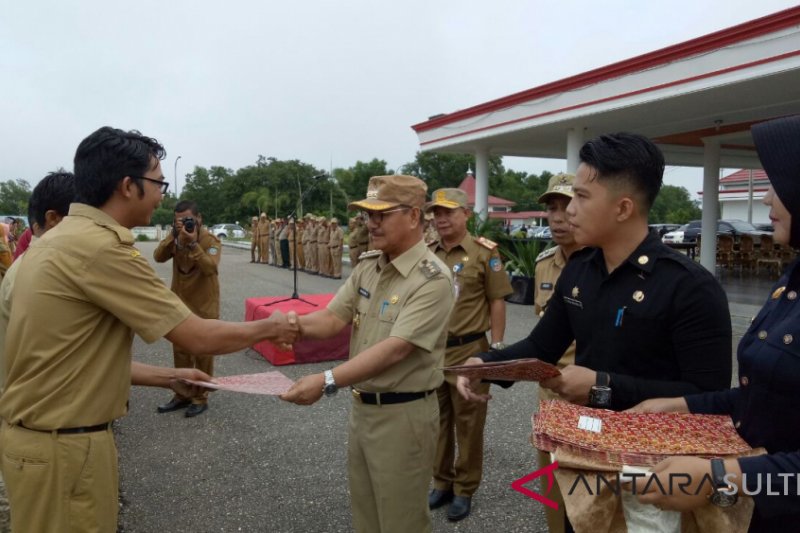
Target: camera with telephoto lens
x: 189, y: 224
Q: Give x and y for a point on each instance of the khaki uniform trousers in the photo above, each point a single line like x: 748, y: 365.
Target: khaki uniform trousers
x: 204, y: 364
x: 64, y: 483
x: 255, y: 250
x: 301, y: 257
x: 311, y: 257
x: 555, y: 517
x: 461, y: 423
x: 324, y: 259
x: 336, y: 261
x: 390, y: 456
x: 263, y: 249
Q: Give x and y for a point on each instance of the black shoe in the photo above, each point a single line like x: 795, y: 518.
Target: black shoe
x: 459, y: 509
x: 198, y: 409
x: 173, y: 405
x: 437, y: 498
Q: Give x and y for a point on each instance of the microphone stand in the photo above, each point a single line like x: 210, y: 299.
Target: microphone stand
x: 294, y: 295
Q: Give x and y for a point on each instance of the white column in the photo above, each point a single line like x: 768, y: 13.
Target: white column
x: 574, y: 143
x: 482, y: 182
x: 708, y: 243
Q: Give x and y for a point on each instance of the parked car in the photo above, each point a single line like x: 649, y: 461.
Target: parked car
x: 765, y: 226
x: 690, y: 231
x: 663, y: 229
x: 224, y: 231
x: 543, y: 233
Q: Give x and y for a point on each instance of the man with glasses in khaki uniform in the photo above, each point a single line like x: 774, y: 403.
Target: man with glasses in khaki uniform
x: 481, y: 284
x: 398, y: 300
x: 81, y: 293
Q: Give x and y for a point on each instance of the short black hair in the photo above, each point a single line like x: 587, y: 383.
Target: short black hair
x: 627, y: 159
x: 187, y: 205
x: 106, y: 156
x: 56, y: 191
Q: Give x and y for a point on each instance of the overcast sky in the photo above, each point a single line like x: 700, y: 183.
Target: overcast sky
x: 326, y: 82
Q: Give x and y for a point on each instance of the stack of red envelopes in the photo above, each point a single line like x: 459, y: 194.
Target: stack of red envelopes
x: 633, y: 438
x: 515, y: 370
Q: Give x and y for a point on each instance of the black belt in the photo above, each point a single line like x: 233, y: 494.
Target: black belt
x: 71, y: 431
x: 387, y: 398
x: 466, y: 339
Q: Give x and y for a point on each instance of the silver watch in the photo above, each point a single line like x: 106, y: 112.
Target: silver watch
x: 498, y: 345
x: 330, y: 387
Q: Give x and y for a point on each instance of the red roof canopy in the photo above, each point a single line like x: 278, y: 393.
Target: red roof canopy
x: 468, y: 186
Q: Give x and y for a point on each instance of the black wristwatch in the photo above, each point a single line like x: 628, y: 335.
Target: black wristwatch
x: 725, y: 494
x: 600, y: 393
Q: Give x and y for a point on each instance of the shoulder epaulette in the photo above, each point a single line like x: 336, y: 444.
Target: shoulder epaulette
x: 547, y: 253
x: 486, y: 243
x: 370, y: 253
x: 429, y: 268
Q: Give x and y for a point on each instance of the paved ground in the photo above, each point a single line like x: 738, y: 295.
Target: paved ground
x: 256, y: 464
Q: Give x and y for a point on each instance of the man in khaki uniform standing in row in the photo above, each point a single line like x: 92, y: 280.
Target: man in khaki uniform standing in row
x: 265, y: 240
x: 480, y: 283
x: 362, y: 240
x: 311, y: 249
x: 323, y: 252
x: 549, y: 265
x: 195, y: 255
x: 336, y: 245
x: 66, y: 382
x: 255, y: 245
x: 274, y: 246
x: 300, y: 254
x: 396, y: 353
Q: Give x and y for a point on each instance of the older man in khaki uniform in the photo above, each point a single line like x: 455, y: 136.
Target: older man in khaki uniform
x: 195, y: 258
x: 255, y: 245
x: 323, y: 252
x: 480, y: 283
x: 68, y: 381
x: 336, y: 246
x: 549, y: 265
x: 265, y: 239
x: 396, y: 353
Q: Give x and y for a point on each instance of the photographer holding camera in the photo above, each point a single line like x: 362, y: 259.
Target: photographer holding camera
x: 195, y: 255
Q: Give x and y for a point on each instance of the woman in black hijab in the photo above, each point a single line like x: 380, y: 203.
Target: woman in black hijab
x: 765, y: 407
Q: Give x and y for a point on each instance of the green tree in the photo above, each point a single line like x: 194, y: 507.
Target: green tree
x: 165, y: 213
x: 673, y: 205
x: 353, y: 181
x: 440, y: 170
x: 14, y: 195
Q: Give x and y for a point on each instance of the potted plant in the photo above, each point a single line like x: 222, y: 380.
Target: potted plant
x: 521, y: 264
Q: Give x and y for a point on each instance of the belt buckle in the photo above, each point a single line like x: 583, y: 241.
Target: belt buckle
x: 356, y: 394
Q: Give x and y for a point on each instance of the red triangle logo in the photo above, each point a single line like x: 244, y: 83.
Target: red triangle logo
x: 519, y: 485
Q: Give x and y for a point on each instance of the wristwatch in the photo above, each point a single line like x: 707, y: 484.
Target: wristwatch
x: 725, y: 494
x: 600, y: 393
x: 330, y: 387
x: 498, y: 345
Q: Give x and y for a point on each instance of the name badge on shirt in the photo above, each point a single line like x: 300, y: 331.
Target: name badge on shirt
x: 363, y: 292
x: 573, y: 301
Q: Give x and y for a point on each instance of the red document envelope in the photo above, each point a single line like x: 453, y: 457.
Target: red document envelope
x: 516, y: 370
x: 271, y: 383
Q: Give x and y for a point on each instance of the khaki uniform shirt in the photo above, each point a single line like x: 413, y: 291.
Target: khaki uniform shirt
x: 86, y: 290
x: 362, y: 235
x: 336, y: 238
x: 6, y: 290
x: 409, y: 298
x: 263, y: 229
x: 549, y: 265
x: 479, y: 276
x: 194, y: 272
x: 323, y: 235
x: 254, y: 230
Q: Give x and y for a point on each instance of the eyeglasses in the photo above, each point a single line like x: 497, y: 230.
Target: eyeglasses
x: 377, y: 216
x: 161, y: 183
